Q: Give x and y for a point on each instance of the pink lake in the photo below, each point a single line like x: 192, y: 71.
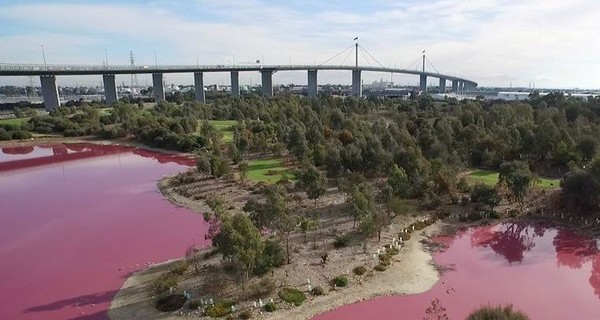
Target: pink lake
x: 77, y: 219
x: 550, y: 274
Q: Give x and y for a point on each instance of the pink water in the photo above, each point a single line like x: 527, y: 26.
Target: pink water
x: 77, y: 219
x: 547, y: 273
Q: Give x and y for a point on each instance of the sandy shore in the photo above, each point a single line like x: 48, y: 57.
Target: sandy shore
x: 413, y: 272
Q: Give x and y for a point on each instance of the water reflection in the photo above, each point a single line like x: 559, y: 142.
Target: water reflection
x: 62, y: 153
x: 509, y: 240
x: 512, y: 240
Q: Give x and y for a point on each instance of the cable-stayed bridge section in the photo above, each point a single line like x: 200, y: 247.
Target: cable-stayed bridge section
x: 48, y: 74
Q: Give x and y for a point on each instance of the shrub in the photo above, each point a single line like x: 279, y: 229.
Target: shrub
x: 497, y: 313
x: 165, y: 282
x: 474, y: 216
x: 360, y: 270
x: 318, y: 291
x: 292, y: 295
x: 270, y: 307
x: 194, y: 305
x: 340, y: 281
x: 246, y: 314
x: 179, y: 267
x: 219, y: 309
x: 342, y: 241
x: 405, y: 236
x: 384, y: 260
x: 380, y: 267
x: 265, y: 287
x: 391, y: 251
x: 170, y: 303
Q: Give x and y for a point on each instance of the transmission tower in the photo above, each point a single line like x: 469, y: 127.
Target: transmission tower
x: 134, y: 80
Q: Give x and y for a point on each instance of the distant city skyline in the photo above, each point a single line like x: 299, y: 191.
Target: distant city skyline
x: 496, y: 42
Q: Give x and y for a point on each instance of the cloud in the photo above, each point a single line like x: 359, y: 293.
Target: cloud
x: 494, y: 42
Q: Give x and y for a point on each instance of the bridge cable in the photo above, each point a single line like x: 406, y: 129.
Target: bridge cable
x: 370, y: 55
x: 346, y: 58
x: 364, y: 56
x: 416, y: 61
x: 431, y: 65
x: 335, y: 56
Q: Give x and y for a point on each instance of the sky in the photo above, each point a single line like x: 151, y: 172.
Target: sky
x: 546, y: 43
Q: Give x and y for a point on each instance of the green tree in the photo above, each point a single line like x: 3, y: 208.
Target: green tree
x: 486, y: 195
x: 240, y: 241
x: 243, y: 170
x: 518, y: 179
x: 313, y: 182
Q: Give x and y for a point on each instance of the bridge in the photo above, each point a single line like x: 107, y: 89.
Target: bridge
x: 48, y: 74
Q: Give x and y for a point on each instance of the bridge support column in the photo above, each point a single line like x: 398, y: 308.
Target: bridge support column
x: 267, y: 83
x: 461, y: 86
x: 159, y: 88
x: 235, y: 83
x: 110, y: 88
x: 199, y: 86
x: 356, y: 83
x: 50, y: 92
x: 443, y: 85
x: 454, y: 86
x: 313, y: 88
x: 423, y: 82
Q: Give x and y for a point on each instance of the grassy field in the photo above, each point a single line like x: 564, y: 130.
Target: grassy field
x: 491, y: 178
x: 225, y: 127
x: 258, y: 170
x: 14, y: 121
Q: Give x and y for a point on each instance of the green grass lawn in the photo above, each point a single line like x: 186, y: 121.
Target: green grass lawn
x: 14, y: 121
x: 491, y: 178
x: 225, y: 127
x: 105, y: 111
x: 258, y: 169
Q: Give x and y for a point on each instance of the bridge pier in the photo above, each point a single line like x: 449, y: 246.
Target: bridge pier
x: 442, y: 85
x: 49, y: 92
x: 423, y: 82
x: 267, y: 82
x: 110, y: 88
x: 461, y: 86
x: 313, y: 88
x: 356, y: 83
x: 199, y: 86
x: 159, y: 88
x: 454, y: 86
x: 235, y: 83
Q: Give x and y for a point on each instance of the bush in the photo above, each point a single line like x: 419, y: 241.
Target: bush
x: 380, y: 267
x: 273, y: 256
x: 342, y: 241
x: 265, y: 287
x: 165, y: 282
x: 384, y: 260
x: 391, y: 251
x: 340, y: 281
x: 246, y: 314
x: 170, y: 302
x: 497, y: 313
x: 194, y: 305
x: 292, y: 295
x: 178, y: 268
x: 360, y: 270
x: 405, y: 236
x: 474, y: 216
x: 270, y: 307
x: 318, y: 291
x: 219, y: 309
